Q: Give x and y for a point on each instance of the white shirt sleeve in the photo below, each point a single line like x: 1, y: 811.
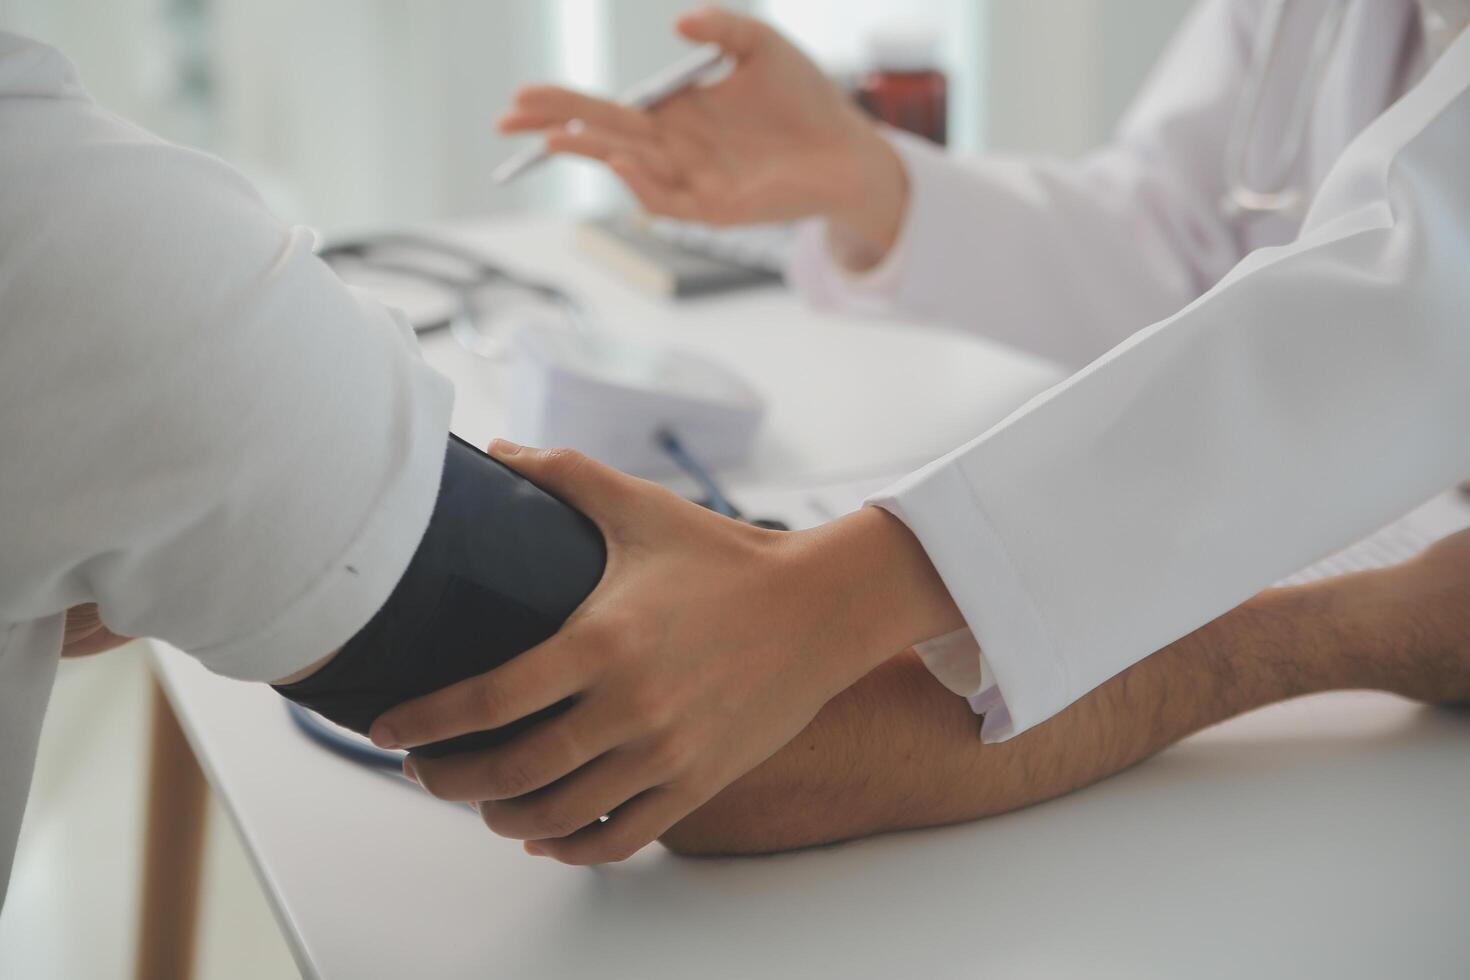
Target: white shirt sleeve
x: 1317, y: 392
x: 1066, y: 258
x: 202, y: 429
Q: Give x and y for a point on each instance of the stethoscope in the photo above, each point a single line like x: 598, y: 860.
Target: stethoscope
x: 1290, y: 198
x: 475, y: 292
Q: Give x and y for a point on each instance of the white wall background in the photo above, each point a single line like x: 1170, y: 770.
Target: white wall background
x: 1059, y: 73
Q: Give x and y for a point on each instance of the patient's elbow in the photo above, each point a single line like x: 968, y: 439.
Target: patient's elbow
x: 747, y: 820
x: 749, y: 817
x: 693, y: 842
x: 708, y: 832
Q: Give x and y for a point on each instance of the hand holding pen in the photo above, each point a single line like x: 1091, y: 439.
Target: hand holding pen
x: 773, y: 140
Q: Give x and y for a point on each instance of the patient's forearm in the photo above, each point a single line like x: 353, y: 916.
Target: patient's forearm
x: 898, y: 751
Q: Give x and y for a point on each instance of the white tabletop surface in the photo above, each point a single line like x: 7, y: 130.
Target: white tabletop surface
x: 845, y: 395
x: 1325, y: 837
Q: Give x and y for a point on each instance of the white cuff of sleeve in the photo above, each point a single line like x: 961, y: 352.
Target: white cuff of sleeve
x: 352, y: 589
x: 1018, y: 681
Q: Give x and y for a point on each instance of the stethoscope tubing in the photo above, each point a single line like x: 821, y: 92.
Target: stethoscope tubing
x: 310, y: 724
x: 1240, y: 196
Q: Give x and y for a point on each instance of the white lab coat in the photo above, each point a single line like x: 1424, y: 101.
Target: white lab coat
x: 1304, y: 380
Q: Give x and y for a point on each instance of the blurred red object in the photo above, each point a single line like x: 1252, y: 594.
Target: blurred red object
x: 904, y: 86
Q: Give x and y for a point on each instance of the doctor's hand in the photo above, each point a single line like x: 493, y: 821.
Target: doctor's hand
x: 775, y: 140
x: 707, y: 646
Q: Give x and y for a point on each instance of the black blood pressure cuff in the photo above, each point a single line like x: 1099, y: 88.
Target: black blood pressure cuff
x: 501, y: 567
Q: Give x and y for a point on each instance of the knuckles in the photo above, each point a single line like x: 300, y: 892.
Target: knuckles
x: 611, y: 634
x: 559, y: 823
x: 651, y: 704
x: 670, y: 755
x: 563, y: 461
x: 507, y: 778
x: 488, y: 704
x: 613, y: 638
x: 432, y: 779
x: 553, y: 822
x: 530, y: 821
x: 468, y: 777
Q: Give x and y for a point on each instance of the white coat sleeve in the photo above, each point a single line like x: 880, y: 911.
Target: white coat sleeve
x: 1317, y: 392
x: 202, y: 429
x: 1123, y: 237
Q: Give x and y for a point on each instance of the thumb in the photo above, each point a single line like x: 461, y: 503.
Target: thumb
x: 593, y: 488
x: 738, y: 35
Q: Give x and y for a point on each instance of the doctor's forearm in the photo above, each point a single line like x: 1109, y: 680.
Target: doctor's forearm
x: 898, y: 751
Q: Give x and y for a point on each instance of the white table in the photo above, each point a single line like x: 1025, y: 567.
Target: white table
x: 1326, y: 837
x: 845, y: 395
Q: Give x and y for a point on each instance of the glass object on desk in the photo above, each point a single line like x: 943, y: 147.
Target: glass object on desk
x: 439, y: 283
x: 903, y: 86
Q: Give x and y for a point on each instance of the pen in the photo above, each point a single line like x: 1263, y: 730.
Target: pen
x: 661, y: 85
x: 715, y: 498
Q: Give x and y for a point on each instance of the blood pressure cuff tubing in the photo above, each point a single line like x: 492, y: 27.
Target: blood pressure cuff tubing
x: 501, y: 567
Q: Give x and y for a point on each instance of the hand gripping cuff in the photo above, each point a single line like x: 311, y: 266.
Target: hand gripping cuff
x: 500, y: 568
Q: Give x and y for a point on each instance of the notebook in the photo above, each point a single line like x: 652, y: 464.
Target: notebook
x: 678, y: 259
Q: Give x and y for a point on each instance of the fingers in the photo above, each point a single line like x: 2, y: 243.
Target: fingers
x: 537, y: 757
x: 567, y: 806
x: 629, y: 829
x: 592, y: 487
x: 601, y: 144
x: 544, y: 106
x: 536, y: 679
x: 654, y: 195
x: 739, y: 35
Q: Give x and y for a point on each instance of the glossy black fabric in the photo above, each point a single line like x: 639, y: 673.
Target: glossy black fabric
x: 500, y: 568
